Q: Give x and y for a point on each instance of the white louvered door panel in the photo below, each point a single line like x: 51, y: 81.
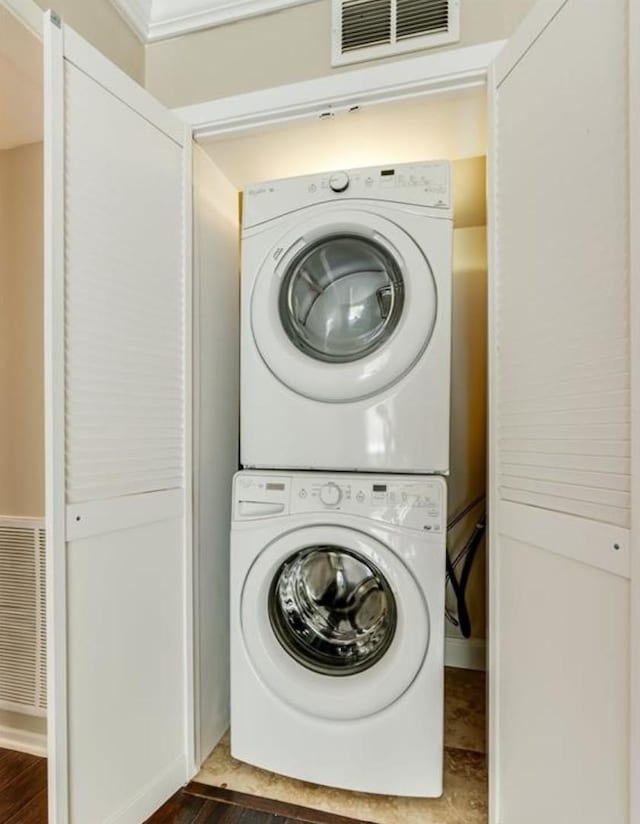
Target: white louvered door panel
x: 118, y: 305
x: 560, y: 475
x: 124, y: 303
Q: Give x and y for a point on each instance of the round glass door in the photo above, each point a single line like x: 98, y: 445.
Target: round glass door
x: 341, y: 298
x: 345, y: 303
x: 332, y: 610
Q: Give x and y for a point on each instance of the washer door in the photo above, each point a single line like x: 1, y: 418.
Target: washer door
x: 334, y: 622
x: 343, y: 306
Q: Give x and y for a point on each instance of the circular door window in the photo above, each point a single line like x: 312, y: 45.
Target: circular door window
x: 341, y: 298
x: 345, y: 303
x: 333, y: 621
x: 332, y: 610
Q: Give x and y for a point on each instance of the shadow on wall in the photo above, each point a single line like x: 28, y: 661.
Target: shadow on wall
x: 468, y: 402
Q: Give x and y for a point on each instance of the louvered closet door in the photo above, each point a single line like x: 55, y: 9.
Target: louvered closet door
x: 560, y: 419
x: 120, y: 691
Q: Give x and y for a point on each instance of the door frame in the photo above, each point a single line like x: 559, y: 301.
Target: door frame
x: 444, y: 72
x: 634, y: 321
x: 54, y: 419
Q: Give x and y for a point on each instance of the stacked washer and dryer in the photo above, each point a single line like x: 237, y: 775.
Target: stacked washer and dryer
x: 339, y: 515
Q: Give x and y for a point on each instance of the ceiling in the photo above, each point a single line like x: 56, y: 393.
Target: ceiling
x: 159, y: 19
x: 21, y: 106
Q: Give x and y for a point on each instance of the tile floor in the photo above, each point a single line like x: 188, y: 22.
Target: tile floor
x: 465, y: 795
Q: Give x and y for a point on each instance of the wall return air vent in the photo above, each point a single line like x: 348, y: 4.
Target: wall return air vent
x: 369, y: 29
x: 23, y: 631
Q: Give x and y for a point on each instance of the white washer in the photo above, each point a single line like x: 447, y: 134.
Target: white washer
x: 346, y: 321
x: 337, y: 629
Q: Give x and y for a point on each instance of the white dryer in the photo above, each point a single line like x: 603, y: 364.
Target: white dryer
x: 346, y: 321
x: 337, y: 629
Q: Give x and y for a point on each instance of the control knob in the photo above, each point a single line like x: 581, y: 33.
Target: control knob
x: 330, y: 494
x: 339, y: 182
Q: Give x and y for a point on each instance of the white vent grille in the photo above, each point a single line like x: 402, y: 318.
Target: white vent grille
x: 23, y: 667
x: 365, y: 23
x: 369, y: 29
x: 415, y: 18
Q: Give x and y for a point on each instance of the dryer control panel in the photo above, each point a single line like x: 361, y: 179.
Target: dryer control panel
x: 417, y: 184
x: 414, y: 502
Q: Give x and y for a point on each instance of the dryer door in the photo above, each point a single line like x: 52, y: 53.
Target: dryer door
x: 343, y: 305
x: 334, y: 622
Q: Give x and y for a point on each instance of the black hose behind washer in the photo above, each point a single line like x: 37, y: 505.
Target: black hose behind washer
x: 460, y: 585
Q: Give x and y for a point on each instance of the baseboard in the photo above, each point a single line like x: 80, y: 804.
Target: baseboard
x: 465, y: 654
x: 33, y: 743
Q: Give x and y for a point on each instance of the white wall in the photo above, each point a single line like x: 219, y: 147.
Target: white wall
x: 216, y: 417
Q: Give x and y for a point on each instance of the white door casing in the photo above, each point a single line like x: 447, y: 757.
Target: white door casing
x: 216, y: 319
x: 118, y: 377
x: 634, y: 299
x: 560, y: 419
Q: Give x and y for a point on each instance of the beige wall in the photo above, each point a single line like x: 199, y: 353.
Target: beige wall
x: 99, y: 23
x: 21, y: 332
x: 21, y: 103
x: 283, y: 47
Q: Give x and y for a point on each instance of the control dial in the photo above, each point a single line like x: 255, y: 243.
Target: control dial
x: 330, y: 494
x: 339, y: 182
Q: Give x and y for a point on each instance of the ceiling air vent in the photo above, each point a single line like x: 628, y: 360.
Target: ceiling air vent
x: 369, y: 29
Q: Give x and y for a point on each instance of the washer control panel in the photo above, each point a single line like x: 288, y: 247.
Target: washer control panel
x: 420, y: 184
x: 413, y: 502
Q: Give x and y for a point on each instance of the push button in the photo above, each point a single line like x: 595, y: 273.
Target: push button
x: 339, y: 182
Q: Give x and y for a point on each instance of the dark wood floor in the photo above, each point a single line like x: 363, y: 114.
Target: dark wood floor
x: 201, y: 804
x: 23, y: 800
x: 23, y: 788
